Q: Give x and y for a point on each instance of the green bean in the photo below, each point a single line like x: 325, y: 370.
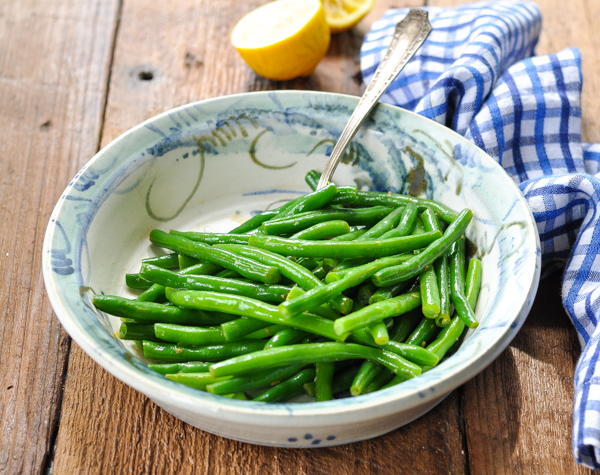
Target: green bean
x: 136, y: 331
x: 324, y: 230
x: 292, y: 224
x: 430, y: 294
x: 171, y: 352
x: 288, y: 268
x: 315, y: 200
x: 137, y: 282
x: 157, y: 291
x: 225, y: 273
x: 338, y: 274
x: 379, y: 381
x: 203, y: 268
x: 238, y: 305
x: 167, y: 261
x: 312, y: 179
x: 254, y: 381
x: 384, y: 293
x: 416, y: 354
x: 289, y: 388
x: 194, y: 380
x: 442, y: 271
x: 363, y: 294
x: 351, y: 236
x: 308, y: 353
x: 240, y: 396
x: 287, y: 336
x: 323, y: 381
x: 152, y: 294
x: 430, y: 220
x: 151, y: 311
x: 457, y: 253
x: 307, y: 262
x: 457, y: 293
x: 415, y: 265
x: 350, y: 278
x: 378, y: 198
x: 186, y: 261
x: 242, y: 265
x: 254, y: 222
x: 424, y: 332
x: 343, y: 379
x: 187, y: 335
x: 377, y: 312
x: 366, y: 373
x: 407, y: 223
x: 343, y: 250
x: 383, y: 226
x: 419, y: 229
x: 268, y: 293
x: 473, y: 281
x: 240, y: 327
x: 379, y: 332
x: 404, y: 326
x: 187, y: 367
x: 323, y: 310
x: 450, y: 335
x: 320, y: 273
x: 213, y: 238
x: 346, y: 193
x: 266, y: 332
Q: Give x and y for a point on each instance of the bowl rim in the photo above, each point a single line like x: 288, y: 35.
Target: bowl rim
x: 376, y: 404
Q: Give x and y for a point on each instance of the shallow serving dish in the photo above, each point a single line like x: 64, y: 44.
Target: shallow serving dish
x: 211, y: 164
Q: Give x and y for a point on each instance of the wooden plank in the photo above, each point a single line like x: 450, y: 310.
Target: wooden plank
x: 190, y: 61
x: 518, y: 411
x: 54, y: 64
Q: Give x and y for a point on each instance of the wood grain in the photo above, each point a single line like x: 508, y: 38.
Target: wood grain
x: 54, y: 63
x: 136, y: 434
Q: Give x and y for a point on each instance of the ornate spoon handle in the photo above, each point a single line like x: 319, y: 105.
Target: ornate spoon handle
x: 409, y: 35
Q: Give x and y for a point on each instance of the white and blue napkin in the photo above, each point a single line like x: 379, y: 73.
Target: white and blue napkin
x: 478, y: 75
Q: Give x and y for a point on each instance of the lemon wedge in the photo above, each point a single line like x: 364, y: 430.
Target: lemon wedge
x: 283, y: 39
x: 344, y: 14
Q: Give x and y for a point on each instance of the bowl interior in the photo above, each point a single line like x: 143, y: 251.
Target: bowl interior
x: 211, y: 165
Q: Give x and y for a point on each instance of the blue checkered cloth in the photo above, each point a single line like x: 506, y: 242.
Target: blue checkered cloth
x: 478, y: 75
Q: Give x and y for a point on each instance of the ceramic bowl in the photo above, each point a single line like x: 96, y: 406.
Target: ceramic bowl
x: 209, y: 166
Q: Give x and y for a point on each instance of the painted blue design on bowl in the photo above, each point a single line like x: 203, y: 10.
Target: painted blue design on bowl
x: 308, y: 436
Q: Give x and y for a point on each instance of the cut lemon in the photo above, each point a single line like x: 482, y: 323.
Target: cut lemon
x: 344, y: 14
x: 284, y: 39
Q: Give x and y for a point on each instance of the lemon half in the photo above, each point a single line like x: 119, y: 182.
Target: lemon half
x: 284, y: 39
x: 344, y: 14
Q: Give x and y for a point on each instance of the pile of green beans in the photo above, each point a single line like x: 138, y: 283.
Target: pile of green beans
x: 339, y: 292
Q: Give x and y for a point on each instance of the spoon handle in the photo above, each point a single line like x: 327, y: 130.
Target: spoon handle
x: 409, y: 35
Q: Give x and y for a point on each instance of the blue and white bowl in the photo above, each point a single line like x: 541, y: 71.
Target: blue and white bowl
x: 212, y: 164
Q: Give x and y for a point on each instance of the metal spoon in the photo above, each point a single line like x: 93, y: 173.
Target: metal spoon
x: 409, y: 35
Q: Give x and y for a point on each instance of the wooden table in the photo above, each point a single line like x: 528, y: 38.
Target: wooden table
x: 74, y: 74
